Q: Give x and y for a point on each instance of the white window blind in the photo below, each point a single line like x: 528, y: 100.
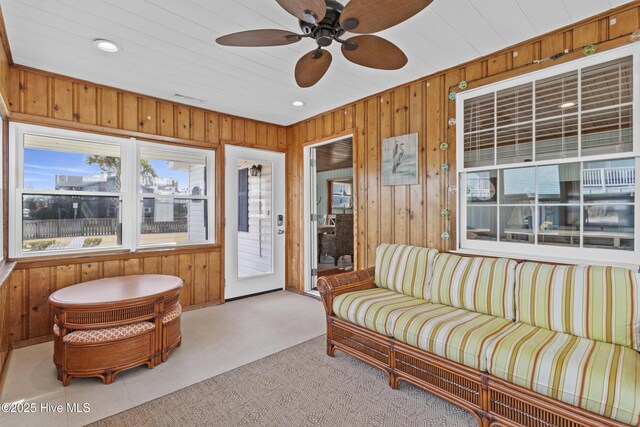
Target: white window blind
x: 548, y: 163
x: 42, y: 142
x: 188, y: 156
x: 583, y: 112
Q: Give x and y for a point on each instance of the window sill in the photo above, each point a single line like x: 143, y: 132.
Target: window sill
x: 545, y: 259
x: 60, y: 259
x: 5, y: 271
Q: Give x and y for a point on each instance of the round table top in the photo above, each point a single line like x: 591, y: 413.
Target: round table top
x: 115, y: 289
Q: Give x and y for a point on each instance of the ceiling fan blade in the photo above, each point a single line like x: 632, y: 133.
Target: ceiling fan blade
x: 371, y: 16
x: 374, y: 52
x: 312, y: 67
x: 311, y: 11
x: 259, y: 38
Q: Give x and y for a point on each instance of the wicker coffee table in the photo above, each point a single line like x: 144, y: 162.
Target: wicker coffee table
x: 104, y: 326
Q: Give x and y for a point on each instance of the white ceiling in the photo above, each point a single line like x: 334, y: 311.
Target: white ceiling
x: 168, y: 47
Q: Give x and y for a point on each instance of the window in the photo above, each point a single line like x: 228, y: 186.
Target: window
x: 173, y: 194
x: 75, y: 192
x: 549, y: 162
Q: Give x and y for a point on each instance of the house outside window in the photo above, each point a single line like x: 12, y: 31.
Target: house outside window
x: 77, y: 192
x: 548, y: 162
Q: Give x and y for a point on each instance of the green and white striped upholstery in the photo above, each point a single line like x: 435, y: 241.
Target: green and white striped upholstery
x: 599, y: 377
x: 374, y: 309
x: 405, y: 269
x: 459, y: 335
x: 596, y: 302
x: 478, y: 284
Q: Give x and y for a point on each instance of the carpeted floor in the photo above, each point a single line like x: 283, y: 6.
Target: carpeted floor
x: 300, y: 386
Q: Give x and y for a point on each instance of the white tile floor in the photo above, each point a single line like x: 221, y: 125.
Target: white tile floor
x: 214, y: 340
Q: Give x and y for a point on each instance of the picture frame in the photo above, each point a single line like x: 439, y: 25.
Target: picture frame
x: 400, y: 160
x: 341, y: 194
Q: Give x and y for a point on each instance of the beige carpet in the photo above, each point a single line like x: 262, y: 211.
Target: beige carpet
x: 300, y: 386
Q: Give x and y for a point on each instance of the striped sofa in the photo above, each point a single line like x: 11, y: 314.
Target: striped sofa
x: 514, y: 343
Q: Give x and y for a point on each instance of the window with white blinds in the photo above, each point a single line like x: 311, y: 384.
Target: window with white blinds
x: 77, y: 192
x: 548, y: 161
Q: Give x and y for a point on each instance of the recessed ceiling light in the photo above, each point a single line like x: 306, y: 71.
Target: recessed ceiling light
x: 297, y: 104
x: 106, y: 45
x: 567, y: 104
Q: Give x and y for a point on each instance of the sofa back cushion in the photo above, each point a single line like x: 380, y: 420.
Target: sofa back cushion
x: 485, y: 285
x: 405, y: 269
x: 595, y: 302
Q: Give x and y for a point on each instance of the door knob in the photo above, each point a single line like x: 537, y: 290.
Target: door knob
x: 280, y: 231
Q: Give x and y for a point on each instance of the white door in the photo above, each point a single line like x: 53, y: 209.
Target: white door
x: 254, y: 221
x: 313, y: 223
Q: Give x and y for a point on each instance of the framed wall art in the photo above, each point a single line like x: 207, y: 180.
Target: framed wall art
x: 400, y: 160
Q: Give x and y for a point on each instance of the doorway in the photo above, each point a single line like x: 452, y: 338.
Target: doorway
x: 329, y: 210
x: 254, y: 221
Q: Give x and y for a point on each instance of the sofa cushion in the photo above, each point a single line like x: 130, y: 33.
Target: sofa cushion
x: 405, y: 269
x: 374, y: 309
x: 485, y: 285
x: 457, y: 334
x: 596, y: 302
x: 595, y: 376
x: 86, y: 336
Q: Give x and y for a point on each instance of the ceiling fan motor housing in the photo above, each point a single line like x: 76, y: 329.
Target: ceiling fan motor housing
x: 325, y: 31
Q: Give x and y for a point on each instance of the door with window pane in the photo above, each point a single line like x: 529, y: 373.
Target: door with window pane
x: 254, y: 221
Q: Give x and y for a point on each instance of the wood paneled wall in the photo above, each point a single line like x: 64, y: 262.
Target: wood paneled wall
x: 412, y: 214
x: 6, y: 61
x: 43, y: 98
x: 30, y: 285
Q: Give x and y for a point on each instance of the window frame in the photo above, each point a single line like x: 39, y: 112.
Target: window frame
x: 550, y: 252
x: 210, y: 188
x: 130, y: 211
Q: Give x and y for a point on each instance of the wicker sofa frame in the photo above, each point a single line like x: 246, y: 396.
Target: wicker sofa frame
x: 492, y: 401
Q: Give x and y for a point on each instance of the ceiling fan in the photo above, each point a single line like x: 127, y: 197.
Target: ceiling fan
x: 326, y: 21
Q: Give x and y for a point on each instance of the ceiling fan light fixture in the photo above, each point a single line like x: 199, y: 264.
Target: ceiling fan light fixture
x: 106, y: 45
x: 310, y: 17
x: 297, y: 104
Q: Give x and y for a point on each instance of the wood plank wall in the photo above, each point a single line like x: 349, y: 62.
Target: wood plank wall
x: 49, y: 99
x: 30, y: 286
x: 6, y: 61
x: 412, y: 214
x: 44, y: 98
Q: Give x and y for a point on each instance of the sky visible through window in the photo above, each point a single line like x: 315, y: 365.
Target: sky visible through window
x: 42, y: 166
